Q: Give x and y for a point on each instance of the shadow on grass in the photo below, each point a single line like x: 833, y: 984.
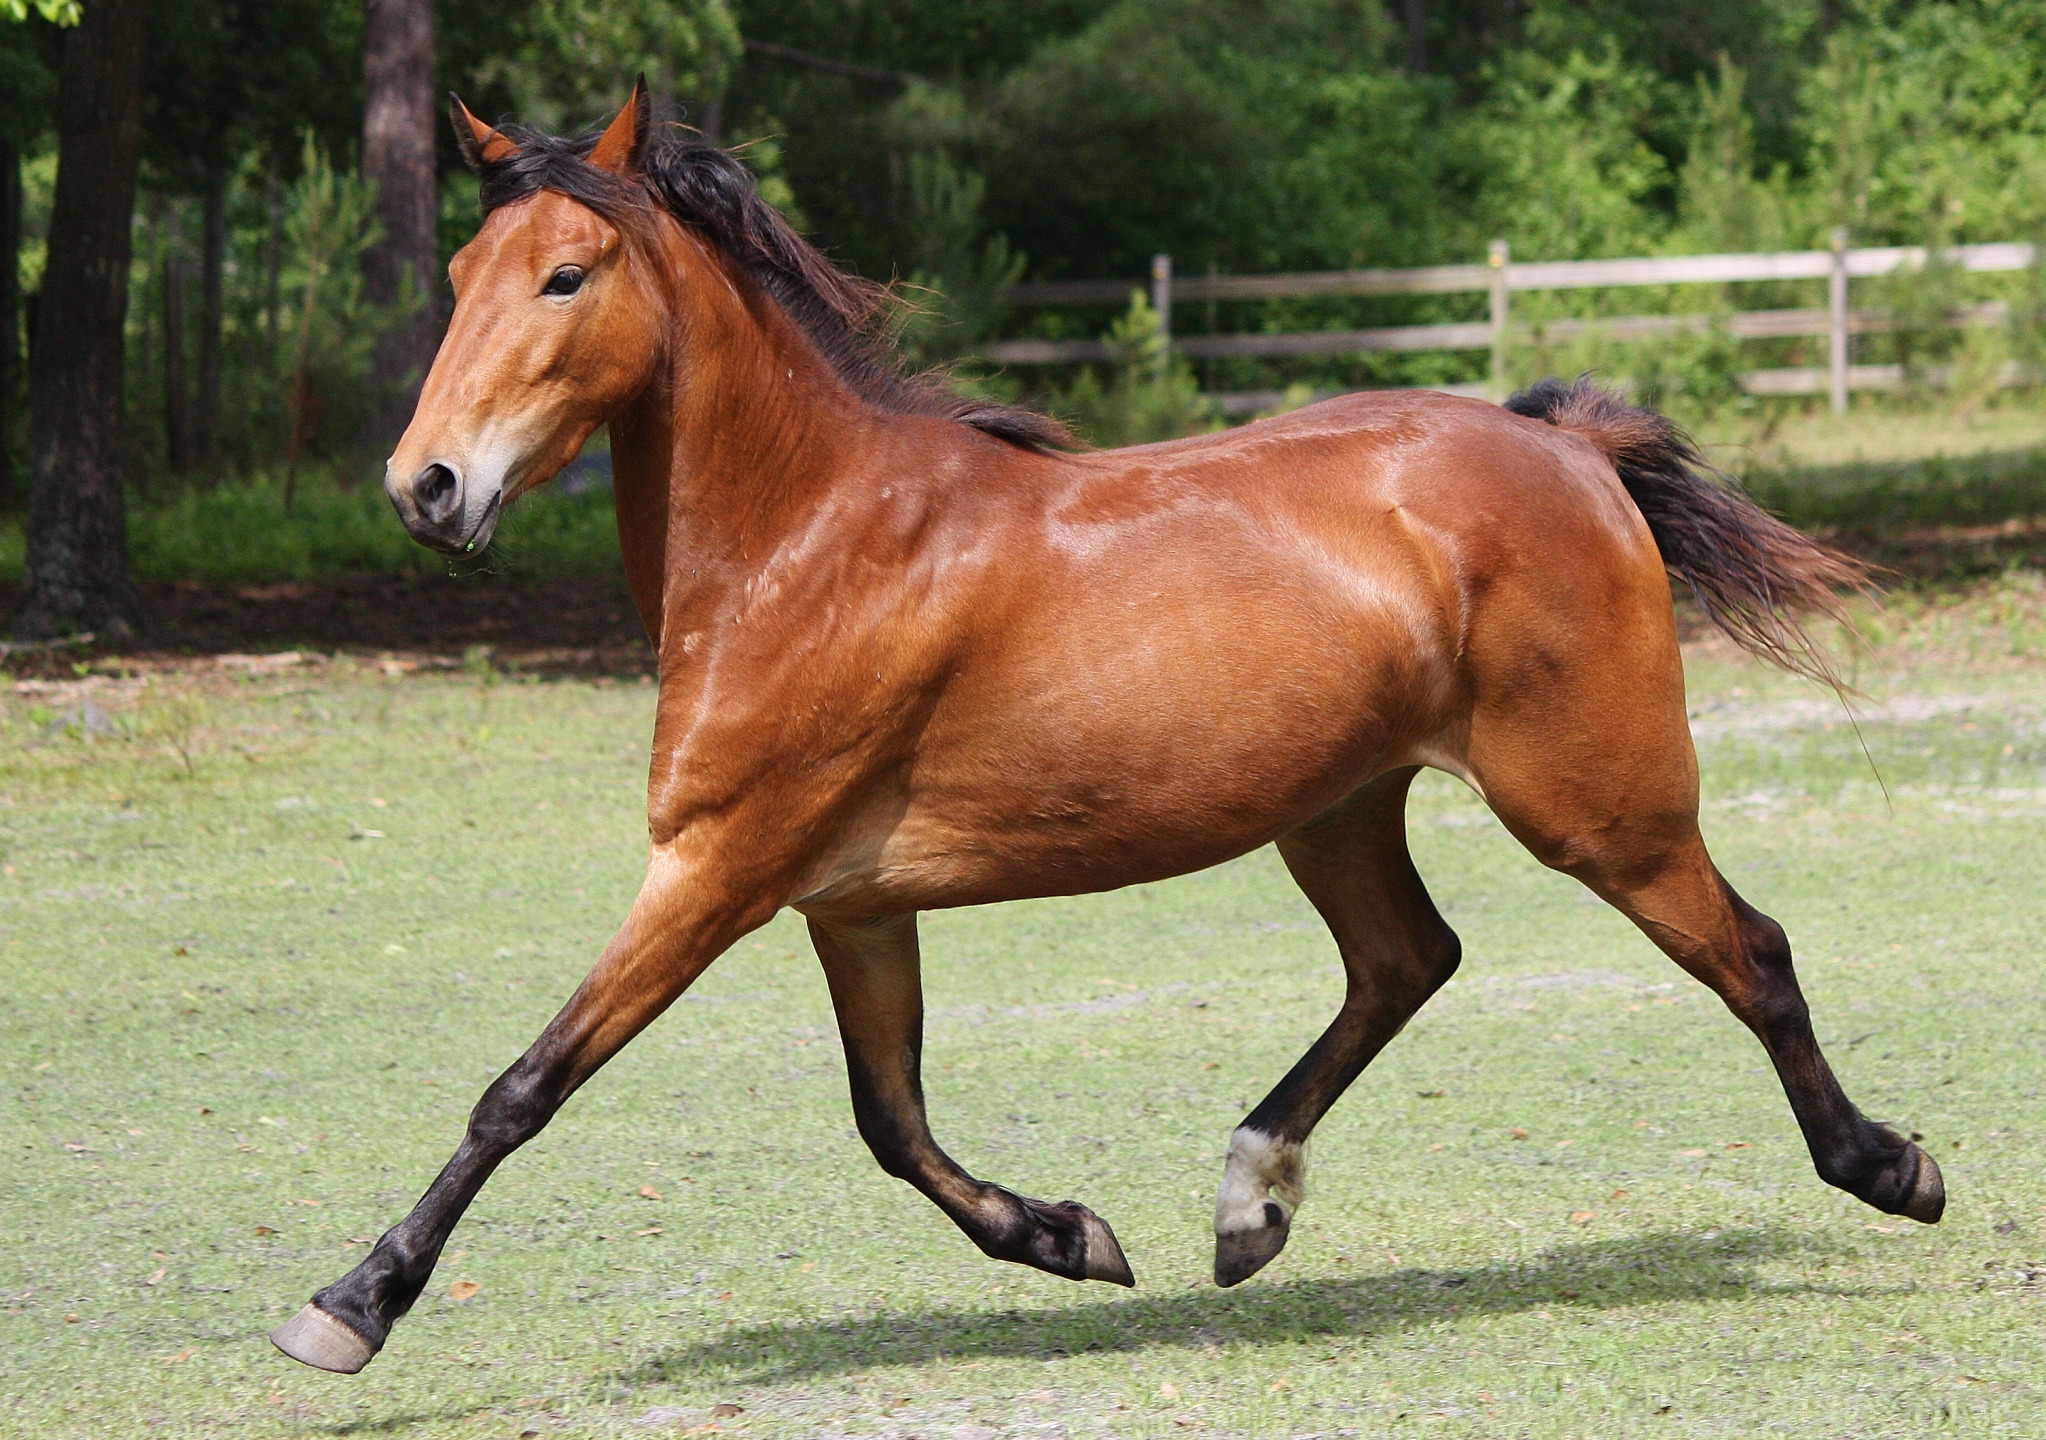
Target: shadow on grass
x: 1603, y: 1274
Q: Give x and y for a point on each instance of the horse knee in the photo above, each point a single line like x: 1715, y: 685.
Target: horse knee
x: 515, y: 1108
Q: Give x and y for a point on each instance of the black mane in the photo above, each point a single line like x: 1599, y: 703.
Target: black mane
x: 712, y: 192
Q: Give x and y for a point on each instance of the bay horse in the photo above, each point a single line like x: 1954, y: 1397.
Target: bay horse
x: 917, y: 651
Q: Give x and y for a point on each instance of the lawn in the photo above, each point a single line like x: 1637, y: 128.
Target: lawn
x: 267, y: 930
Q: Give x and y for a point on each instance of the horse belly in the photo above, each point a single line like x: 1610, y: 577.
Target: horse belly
x: 1131, y: 752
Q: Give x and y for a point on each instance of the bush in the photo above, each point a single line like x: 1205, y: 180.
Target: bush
x: 1151, y: 393
x: 240, y: 532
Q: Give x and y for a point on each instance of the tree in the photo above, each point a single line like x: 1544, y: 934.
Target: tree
x: 227, y: 81
x: 573, y: 60
x: 76, y: 571
x: 399, y: 121
x: 28, y: 83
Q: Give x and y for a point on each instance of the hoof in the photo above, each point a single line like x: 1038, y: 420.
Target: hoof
x: 1241, y: 1254
x: 1927, y: 1200
x: 313, y: 1337
x: 1263, y: 1183
x: 1104, y: 1256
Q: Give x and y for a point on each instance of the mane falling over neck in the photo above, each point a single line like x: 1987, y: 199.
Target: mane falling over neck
x: 711, y: 192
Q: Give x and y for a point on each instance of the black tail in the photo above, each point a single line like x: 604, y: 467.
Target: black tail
x: 1751, y: 573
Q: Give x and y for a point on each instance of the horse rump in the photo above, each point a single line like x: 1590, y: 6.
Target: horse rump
x: 1753, y: 575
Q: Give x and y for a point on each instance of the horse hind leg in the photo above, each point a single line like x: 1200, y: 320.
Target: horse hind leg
x: 1615, y: 804
x: 874, y: 972
x: 1353, y: 865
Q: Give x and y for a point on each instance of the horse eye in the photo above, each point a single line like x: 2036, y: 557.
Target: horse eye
x: 565, y: 281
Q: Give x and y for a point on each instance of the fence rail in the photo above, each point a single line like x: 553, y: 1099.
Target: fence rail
x: 1501, y: 278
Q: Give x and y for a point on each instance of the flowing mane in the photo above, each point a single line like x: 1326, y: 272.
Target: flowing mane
x: 711, y: 191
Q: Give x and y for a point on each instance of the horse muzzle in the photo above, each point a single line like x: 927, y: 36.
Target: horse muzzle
x: 441, y: 510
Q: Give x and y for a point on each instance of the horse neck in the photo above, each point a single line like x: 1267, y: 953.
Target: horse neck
x: 743, y: 428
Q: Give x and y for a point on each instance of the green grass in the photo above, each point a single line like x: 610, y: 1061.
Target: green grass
x: 1879, y: 497
x: 236, y: 1040
x: 239, y: 532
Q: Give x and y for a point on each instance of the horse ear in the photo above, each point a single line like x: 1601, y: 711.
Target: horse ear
x: 480, y: 145
x: 621, y: 145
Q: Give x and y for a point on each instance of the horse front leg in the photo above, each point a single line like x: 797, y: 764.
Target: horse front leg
x: 876, y: 981
x: 686, y: 915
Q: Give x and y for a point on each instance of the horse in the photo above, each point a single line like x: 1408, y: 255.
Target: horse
x: 918, y: 651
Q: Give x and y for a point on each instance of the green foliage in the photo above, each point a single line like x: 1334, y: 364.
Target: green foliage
x: 1166, y: 125
x: 329, y: 224
x: 764, y: 158
x: 1890, y: 497
x: 1724, y: 205
x: 240, y: 531
x: 959, y: 290
x: 230, y: 77
x: 1567, y: 172
x: 1150, y: 394
x: 1921, y: 301
x: 572, y: 61
x: 28, y: 84
x: 297, y: 328
x: 1932, y: 114
x: 57, y: 12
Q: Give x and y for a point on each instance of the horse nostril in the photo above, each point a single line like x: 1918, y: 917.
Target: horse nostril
x: 437, y: 492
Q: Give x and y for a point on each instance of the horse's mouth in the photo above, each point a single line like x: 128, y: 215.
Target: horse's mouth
x: 486, y: 526
x: 474, y: 538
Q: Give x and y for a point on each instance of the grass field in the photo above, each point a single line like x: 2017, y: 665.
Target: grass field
x: 267, y: 931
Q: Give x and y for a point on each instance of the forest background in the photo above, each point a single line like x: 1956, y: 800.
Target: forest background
x: 296, y: 195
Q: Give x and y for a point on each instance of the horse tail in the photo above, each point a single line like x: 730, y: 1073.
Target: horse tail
x: 1753, y: 575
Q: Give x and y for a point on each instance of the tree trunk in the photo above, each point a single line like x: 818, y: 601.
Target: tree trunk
x: 10, y: 312
x: 76, y: 572
x: 213, y: 263
x: 397, y: 158
x: 176, y: 437
x: 1417, y: 37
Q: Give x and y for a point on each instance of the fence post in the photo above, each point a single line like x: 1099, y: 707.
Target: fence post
x: 1161, y: 301
x: 1498, y: 257
x: 1836, y: 300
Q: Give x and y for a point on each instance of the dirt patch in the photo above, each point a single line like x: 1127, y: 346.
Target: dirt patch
x: 573, y: 626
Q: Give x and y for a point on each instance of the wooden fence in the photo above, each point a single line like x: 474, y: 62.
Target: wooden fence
x: 1501, y: 277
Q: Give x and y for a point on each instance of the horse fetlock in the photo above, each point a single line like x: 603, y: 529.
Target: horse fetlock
x: 1066, y: 1239
x: 1263, y: 1183
x: 346, y: 1324
x: 1892, y: 1174
x: 1911, y: 1186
